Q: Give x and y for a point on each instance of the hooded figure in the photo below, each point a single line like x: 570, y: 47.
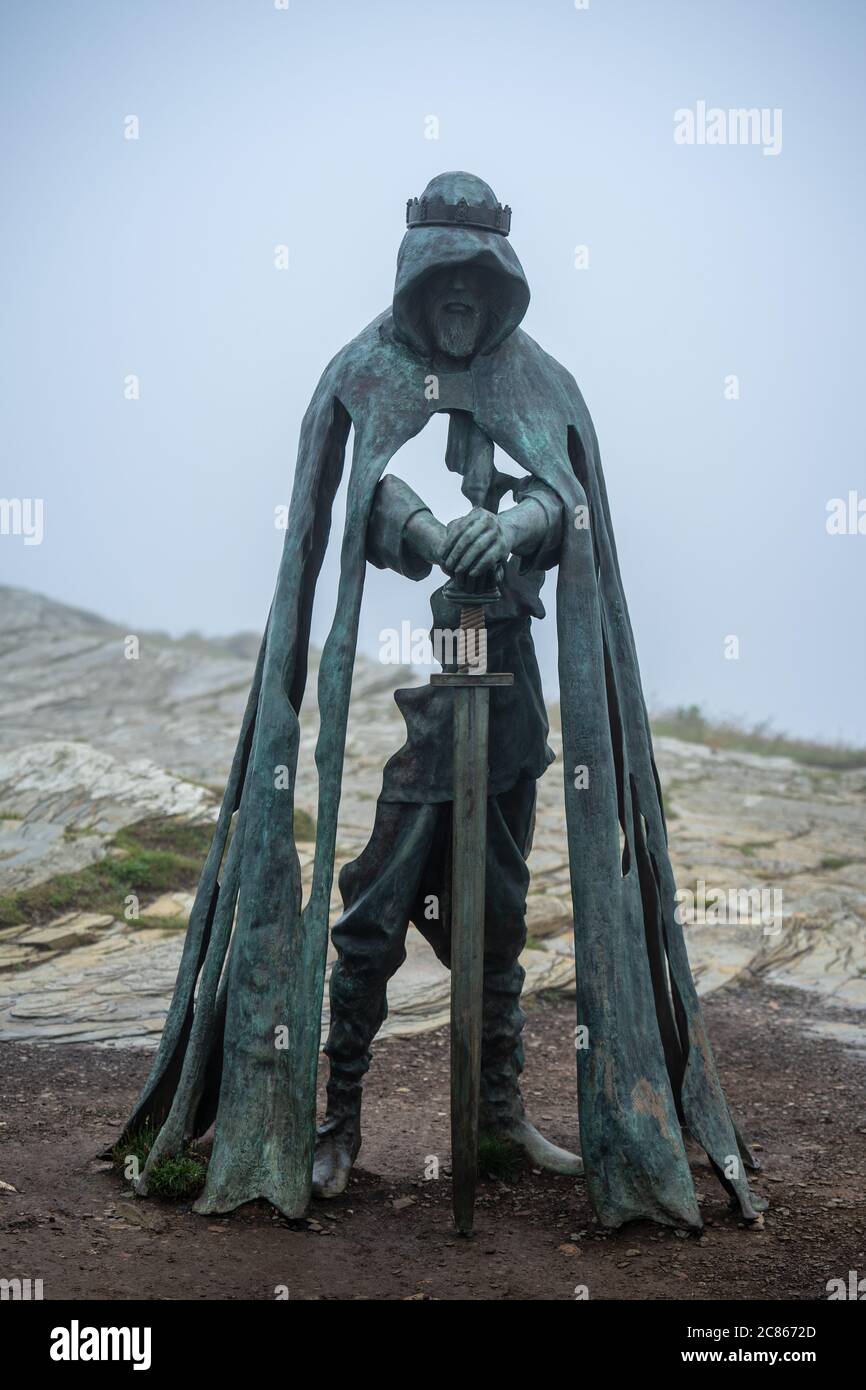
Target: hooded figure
x: 241, y: 1039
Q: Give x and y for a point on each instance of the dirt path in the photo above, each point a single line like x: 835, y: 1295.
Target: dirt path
x: 799, y: 1097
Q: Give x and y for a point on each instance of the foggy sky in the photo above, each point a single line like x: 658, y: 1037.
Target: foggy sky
x: 307, y: 127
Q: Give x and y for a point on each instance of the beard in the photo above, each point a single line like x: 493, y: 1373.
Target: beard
x: 457, y: 335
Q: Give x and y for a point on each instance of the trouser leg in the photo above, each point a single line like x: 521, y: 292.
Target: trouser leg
x: 378, y: 890
x: 403, y: 874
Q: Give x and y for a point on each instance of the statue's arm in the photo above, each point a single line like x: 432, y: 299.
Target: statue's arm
x: 533, y: 527
x: 402, y: 533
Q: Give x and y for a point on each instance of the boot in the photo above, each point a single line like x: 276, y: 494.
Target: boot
x: 502, y: 1111
x: 338, y: 1138
x: 358, y: 1009
x: 538, y: 1151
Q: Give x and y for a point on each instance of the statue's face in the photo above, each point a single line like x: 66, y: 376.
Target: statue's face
x: 456, y: 308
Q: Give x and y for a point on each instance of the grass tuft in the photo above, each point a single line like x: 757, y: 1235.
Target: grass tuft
x: 689, y: 723
x: 159, y: 855
x: 175, y: 1177
x: 163, y: 854
x: 498, y: 1156
x: 137, y: 1146
x: 305, y: 826
x: 182, y: 1176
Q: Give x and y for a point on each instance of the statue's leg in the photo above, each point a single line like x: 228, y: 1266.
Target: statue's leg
x: 510, y: 823
x: 378, y: 889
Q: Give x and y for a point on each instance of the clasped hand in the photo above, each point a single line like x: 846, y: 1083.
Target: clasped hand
x: 474, y: 544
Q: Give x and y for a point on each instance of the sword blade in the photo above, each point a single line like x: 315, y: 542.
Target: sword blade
x: 469, y: 850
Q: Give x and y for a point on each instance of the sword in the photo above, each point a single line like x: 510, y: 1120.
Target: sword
x: 471, y: 684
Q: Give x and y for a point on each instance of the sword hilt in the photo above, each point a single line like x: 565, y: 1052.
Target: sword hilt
x: 472, y: 599
x: 472, y: 616
x: 473, y: 638
x: 469, y: 594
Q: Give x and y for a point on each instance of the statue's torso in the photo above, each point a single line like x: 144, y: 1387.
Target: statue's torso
x: 421, y: 771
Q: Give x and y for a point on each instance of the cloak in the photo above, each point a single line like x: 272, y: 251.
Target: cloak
x: 241, y: 1038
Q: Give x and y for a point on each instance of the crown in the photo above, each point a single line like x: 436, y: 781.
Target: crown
x: 435, y: 212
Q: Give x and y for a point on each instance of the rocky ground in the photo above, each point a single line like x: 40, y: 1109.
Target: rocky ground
x: 92, y: 741
x: 107, y: 744
x: 74, y: 1225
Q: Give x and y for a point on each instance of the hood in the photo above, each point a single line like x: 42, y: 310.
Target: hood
x: 431, y: 248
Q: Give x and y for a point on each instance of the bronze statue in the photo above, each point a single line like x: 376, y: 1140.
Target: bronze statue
x: 254, y: 958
